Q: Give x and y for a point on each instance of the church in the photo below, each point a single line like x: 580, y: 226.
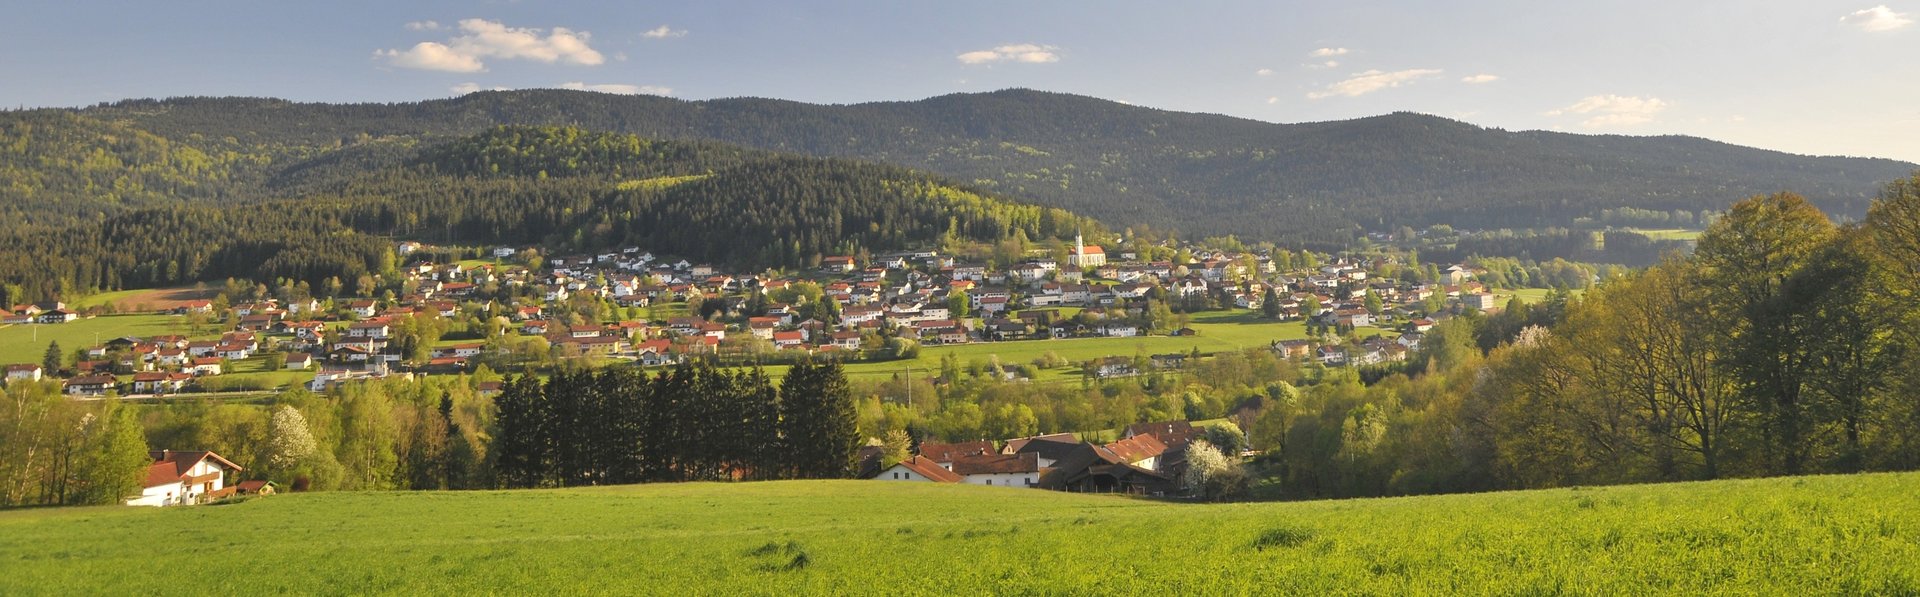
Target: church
x: 1087, y: 257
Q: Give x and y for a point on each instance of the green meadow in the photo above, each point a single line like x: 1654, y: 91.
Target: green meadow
x: 1810, y: 535
x: 27, y: 343
x: 1219, y: 331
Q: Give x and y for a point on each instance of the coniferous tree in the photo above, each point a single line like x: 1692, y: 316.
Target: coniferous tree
x: 52, y: 360
x: 819, y: 424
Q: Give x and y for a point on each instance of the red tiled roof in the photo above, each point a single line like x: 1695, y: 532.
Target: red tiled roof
x: 930, y: 469
x: 170, y: 467
x: 997, y: 463
x: 940, y: 452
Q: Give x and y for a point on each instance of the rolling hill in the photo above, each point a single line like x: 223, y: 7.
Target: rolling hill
x: 1307, y: 183
x: 1839, y: 534
x: 562, y: 188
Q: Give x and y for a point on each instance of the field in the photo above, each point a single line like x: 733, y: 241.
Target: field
x: 1812, y: 535
x: 151, y: 299
x: 1218, y: 331
x: 28, y: 343
x: 1667, y: 233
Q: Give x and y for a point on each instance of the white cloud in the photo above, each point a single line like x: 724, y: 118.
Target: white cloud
x: 1326, y: 52
x: 1481, y: 78
x: 1029, y: 53
x: 1265, y: 72
x: 491, y: 39
x: 1614, y: 110
x: 663, y: 32
x: 423, y: 26
x: 470, y: 87
x: 428, y: 55
x: 1327, y: 64
x: 618, y: 88
x: 1878, y: 18
x: 1373, y: 80
x: 1273, y: 99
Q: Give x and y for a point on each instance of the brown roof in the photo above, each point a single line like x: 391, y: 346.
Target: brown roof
x: 997, y: 463
x: 929, y: 469
x: 1171, y: 433
x: 1041, y: 443
x: 170, y: 467
x: 939, y: 452
x: 1137, y: 448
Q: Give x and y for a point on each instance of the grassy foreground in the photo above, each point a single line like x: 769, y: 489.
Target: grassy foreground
x: 1820, y: 535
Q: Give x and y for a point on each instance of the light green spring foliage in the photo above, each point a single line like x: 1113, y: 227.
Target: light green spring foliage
x: 1813, y: 535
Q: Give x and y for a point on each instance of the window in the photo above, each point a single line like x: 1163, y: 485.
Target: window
x: 989, y: 481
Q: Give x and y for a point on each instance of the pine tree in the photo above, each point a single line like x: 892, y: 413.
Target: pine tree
x: 819, y: 424
x: 51, y: 362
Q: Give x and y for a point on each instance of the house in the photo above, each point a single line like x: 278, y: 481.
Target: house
x: 847, y: 340
x: 299, y: 360
x: 1478, y: 300
x: 90, y: 385
x: 1003, y: 470
x: 58, y: 316
x: 363, y: 308
x: 918, y: 468
x: 1114, y: 367
x: 1294, y: 349
x: 181, y: 478
x: 789, y: 340
x: 1095, y: 469
x: 204, y: 366
x: 837, y: 263
x: 157, y: 382
x: 1142, y: 450
x: 28, y: 372
x: 945, y: 454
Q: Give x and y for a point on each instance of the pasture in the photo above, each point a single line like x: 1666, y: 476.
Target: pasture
x: 1810, y: 535
x: 27, y: 343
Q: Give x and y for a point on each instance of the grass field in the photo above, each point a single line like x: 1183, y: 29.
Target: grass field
x: 1813, y: 535
x: 1218, y: 331
x: 1667, y: 233
x: 1530, y: 295
x: 28, y: 343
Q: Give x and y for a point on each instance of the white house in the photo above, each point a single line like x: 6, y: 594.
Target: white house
x: 28, y: 372
x: 182, y: 478
x: 918, y: 468
x: 1001, y: 470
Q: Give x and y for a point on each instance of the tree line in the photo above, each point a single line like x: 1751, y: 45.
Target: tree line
x: 694, y: 422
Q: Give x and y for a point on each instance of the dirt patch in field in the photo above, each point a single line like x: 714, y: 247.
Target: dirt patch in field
x: 161, y: 299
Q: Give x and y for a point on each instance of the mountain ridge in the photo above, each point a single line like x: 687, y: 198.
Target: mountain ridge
x: 1307, y: 184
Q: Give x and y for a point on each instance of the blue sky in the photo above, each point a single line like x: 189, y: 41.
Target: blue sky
x: 1806, y: 76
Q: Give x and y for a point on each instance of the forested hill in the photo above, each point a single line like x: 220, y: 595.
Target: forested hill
x: 1127, y: 165
x: 565, y: 189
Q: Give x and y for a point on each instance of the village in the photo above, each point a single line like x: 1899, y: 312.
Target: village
x: 627, y: 305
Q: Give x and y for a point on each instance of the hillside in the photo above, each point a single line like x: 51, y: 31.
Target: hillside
x: 1126, y: 165
x: 1846, y: 535
x: 565, y: 189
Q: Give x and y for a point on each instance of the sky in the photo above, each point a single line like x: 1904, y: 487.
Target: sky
x: 1818, y: 77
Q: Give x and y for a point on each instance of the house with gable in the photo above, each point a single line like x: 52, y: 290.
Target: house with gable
x: 185, y: 478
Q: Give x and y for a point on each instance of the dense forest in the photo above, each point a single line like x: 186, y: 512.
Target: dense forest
x: 1309, y: 184
x: 562, y: 188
